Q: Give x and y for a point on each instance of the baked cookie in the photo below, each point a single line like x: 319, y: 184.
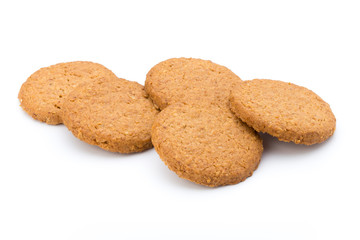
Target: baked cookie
x: 206, y: 144
x: 114, y: 114
x: 189, y: 79
x: 42, y: 95
x: 284, y: 110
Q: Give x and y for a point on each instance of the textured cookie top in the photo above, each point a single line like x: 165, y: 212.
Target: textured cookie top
x: 206, y: 144
x: 189, y: 79
x: 284, y: 110
x: 114, y: 114
x: 42, y: 95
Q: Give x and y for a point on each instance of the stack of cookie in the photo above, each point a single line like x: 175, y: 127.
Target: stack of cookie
x: 94, y: 104
x: 207, y: 129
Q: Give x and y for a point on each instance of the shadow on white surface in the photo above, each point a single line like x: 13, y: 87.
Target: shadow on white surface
x: 273, y: 146
x: 171, y: 178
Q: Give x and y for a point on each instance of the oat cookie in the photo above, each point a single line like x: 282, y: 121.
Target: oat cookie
x: 114, y: 114
x: 189, y: 79
x: 206, y: 144
x: 284, y: 110
x: 42, y: 95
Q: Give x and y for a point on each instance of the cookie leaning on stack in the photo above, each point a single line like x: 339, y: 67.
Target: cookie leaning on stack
x: 284, y: 110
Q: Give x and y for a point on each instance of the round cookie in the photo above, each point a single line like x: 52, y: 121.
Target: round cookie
x: 43, y: 93
x: 189, y: 79
x: 206, y: 144
x: 114, y: 114
x: 284, y: 110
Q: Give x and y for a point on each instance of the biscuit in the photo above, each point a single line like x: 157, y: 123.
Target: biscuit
x: 43, y: 93
x: 284, y: 110
x: 114, y: 114
x: 206, y: 144
x: 189, y: 79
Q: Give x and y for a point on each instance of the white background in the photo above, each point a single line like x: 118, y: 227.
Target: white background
x: 53, y: 186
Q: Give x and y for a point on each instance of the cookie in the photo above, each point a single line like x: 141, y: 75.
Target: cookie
x: 284, y: 110
x: 206, y: 144
x: 114, y: 114
x: 42, y: 95
x: 189, y: 79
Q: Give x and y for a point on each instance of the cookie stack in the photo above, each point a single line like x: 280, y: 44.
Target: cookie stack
x: 95, y: 105
x: 207, y: 129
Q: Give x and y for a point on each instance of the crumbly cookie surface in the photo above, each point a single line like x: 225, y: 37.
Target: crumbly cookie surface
x: 284, y: 110
x: 189, y: 79
x: 114, y: 114
x: 43, y: 93
x: 206, y: 144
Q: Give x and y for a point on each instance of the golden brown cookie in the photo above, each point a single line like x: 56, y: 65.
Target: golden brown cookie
x: 284, y: 110
x: 43, y: 93
x: 206, y: 144
x: 114, y: 114
x: 189, y: 79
